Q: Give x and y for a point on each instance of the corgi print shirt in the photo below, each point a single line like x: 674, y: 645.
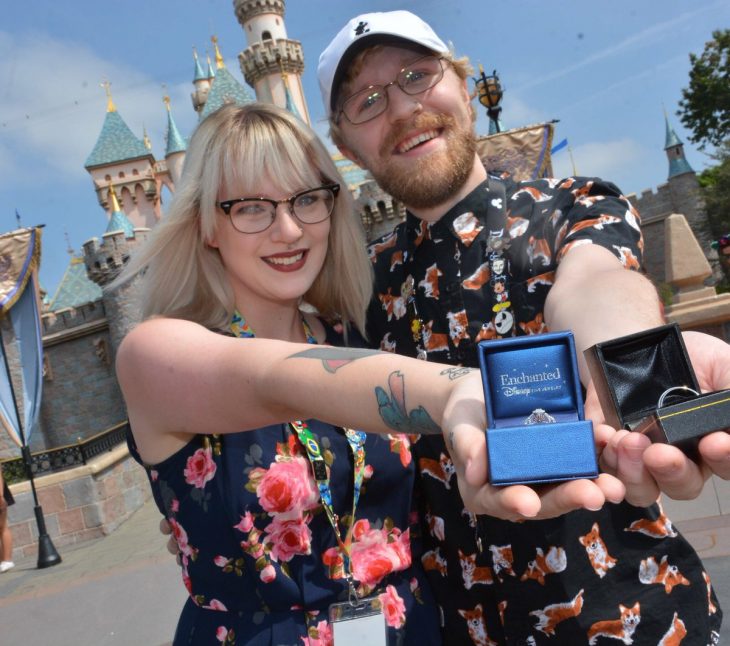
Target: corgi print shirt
x: 622, y: 573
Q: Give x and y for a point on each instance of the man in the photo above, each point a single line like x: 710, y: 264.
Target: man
x: 399, y: 106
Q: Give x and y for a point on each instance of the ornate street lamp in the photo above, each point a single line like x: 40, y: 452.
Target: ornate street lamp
x: 490, y: 94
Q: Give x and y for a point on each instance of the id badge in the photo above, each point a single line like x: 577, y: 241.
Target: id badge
x: 358, y: 625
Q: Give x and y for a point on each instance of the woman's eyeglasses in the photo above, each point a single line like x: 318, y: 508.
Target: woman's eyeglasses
x: 256, y: 214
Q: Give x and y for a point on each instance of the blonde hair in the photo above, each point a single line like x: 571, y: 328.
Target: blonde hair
x: 184, y: 277
x: 461, y: 66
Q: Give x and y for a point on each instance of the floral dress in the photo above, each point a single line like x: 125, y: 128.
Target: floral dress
x: 259, y: 557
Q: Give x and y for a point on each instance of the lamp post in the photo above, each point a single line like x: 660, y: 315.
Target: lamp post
x: 490, y: 94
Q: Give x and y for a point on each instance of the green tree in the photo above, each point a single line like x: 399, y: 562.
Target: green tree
x: 715, y: 189
x: 705, y: 105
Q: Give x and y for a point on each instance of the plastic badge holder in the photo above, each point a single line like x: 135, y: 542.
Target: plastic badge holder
x: 536, y: 431
x: 645, y: 383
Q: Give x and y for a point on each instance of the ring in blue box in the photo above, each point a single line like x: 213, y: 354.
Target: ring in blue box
x: 536, y: 430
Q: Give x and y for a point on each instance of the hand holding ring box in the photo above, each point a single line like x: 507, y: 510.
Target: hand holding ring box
x: 536, y: 431
x: 645, y: 383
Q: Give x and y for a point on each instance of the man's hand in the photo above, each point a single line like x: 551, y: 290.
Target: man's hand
x: 650, y: 469
x: 463, y: 424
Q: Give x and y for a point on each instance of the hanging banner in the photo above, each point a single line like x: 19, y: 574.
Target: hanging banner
x: 19, y: 260
x: 523, y: 152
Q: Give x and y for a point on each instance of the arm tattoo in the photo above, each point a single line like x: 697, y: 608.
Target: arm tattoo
x: 393, y: 411
x: 334, y: 358
x: 455, y: 372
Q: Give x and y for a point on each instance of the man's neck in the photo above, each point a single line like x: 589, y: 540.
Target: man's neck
x: 433, y: 214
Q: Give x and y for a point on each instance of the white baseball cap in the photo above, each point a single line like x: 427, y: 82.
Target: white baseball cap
x: 363, y: 31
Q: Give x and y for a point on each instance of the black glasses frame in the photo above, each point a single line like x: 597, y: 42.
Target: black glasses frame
x: 395, y: 81
x: 227, y: 205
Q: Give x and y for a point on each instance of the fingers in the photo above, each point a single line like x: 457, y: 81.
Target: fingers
x: 715, y: 452
x: 675, y: 474
x: 165, y: 528
x: 626, y: 454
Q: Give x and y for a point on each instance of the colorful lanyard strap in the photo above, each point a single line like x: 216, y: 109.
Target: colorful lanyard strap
x: 356, y: 441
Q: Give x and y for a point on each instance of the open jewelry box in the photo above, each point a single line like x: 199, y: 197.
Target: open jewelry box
x: 645, y: 383
x: 536, y: 431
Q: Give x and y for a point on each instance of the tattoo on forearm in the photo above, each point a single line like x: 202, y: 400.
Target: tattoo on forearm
x: 455, y: 372
x: 393, y: 411
x: 334, y: 358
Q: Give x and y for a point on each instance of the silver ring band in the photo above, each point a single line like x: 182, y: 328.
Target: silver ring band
x: 685, y: 389
x: 539, y: 416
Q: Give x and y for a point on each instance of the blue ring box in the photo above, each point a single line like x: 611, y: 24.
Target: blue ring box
x: 521, y: 375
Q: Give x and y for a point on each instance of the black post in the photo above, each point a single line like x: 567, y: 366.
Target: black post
x: 47, y: 554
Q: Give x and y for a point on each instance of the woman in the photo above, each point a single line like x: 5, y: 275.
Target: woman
x: 224, y: 391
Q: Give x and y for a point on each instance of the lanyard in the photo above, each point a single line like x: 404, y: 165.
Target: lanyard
x: 356, y: 441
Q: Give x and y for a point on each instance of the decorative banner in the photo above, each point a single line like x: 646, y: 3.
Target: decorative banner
x: 523, y: 152
x: 19, y: 260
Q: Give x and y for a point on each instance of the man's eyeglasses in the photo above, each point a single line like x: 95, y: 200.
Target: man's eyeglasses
x: 256, y: 214
x: 372, y: 101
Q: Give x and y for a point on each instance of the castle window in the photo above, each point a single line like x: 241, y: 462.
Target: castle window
x: 121, y: 173
x: 266, y: 35
x: 108, y: 178
x: 135, y: 171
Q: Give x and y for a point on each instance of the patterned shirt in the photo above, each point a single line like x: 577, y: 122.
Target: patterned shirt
x: 620, y: 573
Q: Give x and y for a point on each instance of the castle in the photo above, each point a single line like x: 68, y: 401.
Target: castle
x: 83, y: 326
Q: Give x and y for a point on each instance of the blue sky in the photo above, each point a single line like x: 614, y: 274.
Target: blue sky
x: 605, y: 70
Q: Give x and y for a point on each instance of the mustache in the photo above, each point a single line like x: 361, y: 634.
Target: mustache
x: 423, y: 121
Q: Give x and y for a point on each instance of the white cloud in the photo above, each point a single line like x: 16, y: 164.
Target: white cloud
x: 53, y: 106
x: 606, y: 159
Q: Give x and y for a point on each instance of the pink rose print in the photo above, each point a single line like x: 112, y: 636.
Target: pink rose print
x: 394, y: 608
x: 154, y: 475
x: 319, y: 636
x: 175, y: 505
x: 221, y: 561
x: 225, y: 636
x: 217, y: 605
x: 378, y: 552
x: 287, y: 538
x: 246, y: 524
x: 200, y: 468
x: 288, y: 487
x: 181, y: 538
x: 268, y: 574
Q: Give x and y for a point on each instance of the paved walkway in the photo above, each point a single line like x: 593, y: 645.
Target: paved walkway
x: 102, y: 591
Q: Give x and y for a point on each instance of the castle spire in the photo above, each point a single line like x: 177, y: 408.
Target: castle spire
x: 219, y: 64
x: 199, y: 75
x: 673, y: 146
x: 110, y: 107
x: 175, y: 141
x: 211, y: 71
x: 118, y: 220
x: 145, y: 138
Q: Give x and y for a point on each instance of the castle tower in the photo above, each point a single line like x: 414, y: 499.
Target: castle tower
x: 224, y: 87
x: 272, y: 63
x: 176, y: 147
x: 678, y: 164
x: 120, y: 157
x: 201, y: 82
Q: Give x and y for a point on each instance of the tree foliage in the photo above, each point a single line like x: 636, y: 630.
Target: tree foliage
x: 705, y: 105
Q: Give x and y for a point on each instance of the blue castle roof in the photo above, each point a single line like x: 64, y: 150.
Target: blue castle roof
x: 116, y: 143
x: 175, y: 141
x: 75, y: 288
x: 678, y: 164
x: 225, y: 89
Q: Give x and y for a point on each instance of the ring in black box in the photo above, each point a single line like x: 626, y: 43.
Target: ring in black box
x: 536, y: 431
x: 645, y: 383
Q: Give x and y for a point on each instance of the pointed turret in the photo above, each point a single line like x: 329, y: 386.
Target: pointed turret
x: 176, y: 146
x: 120, y: 155
x: 201, y: 82
x: 290, y: 105
x: 118, y: 221
x: 211, y: 71
x: 678, y: 164
x: 225, y: 88
x: 116, y: 142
